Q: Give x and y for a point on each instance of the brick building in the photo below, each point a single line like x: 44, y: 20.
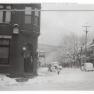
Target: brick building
x: 19, y: 27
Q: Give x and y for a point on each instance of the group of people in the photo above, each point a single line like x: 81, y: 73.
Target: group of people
x: 54, y: 68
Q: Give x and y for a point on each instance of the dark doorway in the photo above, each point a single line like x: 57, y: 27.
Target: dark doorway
x: 28, y: 59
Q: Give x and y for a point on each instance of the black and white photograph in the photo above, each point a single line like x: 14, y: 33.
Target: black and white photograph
x: 46, y: 46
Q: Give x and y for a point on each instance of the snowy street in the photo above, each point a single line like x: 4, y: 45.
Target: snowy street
x: 69, y: 79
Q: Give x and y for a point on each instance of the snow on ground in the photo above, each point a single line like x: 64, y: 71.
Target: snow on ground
x: 69, y: 79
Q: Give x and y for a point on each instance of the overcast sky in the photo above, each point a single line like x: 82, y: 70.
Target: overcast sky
x: 56, y: 24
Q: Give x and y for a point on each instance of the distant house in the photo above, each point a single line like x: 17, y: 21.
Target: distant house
x: 89, y: 54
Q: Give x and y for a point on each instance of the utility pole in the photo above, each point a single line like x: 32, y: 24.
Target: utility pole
x: 86, y: 32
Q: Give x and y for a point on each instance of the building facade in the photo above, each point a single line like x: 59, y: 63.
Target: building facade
x: 19, y: 31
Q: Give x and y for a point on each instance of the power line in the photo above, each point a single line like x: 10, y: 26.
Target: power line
x: 52, y: 10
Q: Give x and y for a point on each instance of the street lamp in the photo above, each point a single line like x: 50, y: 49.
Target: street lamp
x: 15, y: 29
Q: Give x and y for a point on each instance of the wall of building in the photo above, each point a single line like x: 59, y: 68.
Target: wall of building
x: 28, y: 33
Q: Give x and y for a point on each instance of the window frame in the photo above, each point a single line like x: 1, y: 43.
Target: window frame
x: 4, y: 13
x: 28, y: 14
x: 36, y: 17
x: 8, y: 53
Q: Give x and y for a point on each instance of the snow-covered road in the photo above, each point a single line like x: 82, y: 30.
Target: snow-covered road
x: 69, y: 79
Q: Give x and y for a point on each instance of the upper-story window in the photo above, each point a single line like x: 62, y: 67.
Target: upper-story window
x: 36, y: 18
x: 1, y: 14
x: 28, y: 13
x: 5, y: 16
x: 36, y: 12
x: 8, y: 14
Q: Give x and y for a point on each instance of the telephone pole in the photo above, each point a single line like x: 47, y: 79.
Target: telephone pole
x: 86, y: 32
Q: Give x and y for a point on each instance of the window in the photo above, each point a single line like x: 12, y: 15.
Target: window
x: 28, y: 13
x: 4, y: 51
x: 5, y: 16
x: 1, y: 6
x: 36, y: 18
x: 8, y: 7
x: 36, y: 21
x: 28, y: 19
x: 8, y: 16
x: 4, y: 42
x: 36, y: 12
x: 1, y: 16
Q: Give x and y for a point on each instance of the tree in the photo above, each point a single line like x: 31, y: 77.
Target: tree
x: 70, y: 48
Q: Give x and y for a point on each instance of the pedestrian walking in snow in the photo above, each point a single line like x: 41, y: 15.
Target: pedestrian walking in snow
x: 59, y: 68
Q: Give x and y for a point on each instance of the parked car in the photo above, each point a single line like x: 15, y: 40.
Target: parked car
x: 88, y: 66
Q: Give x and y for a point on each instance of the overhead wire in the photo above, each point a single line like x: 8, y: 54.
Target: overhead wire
x: 50, y: 10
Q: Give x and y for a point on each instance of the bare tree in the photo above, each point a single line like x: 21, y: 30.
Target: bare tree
x: 69, y: 51
x: 70, y: 48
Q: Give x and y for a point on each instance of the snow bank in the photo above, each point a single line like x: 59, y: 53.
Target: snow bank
x: 6, y: 81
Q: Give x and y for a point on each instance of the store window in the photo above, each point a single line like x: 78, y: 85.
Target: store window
x: 4, y: 51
